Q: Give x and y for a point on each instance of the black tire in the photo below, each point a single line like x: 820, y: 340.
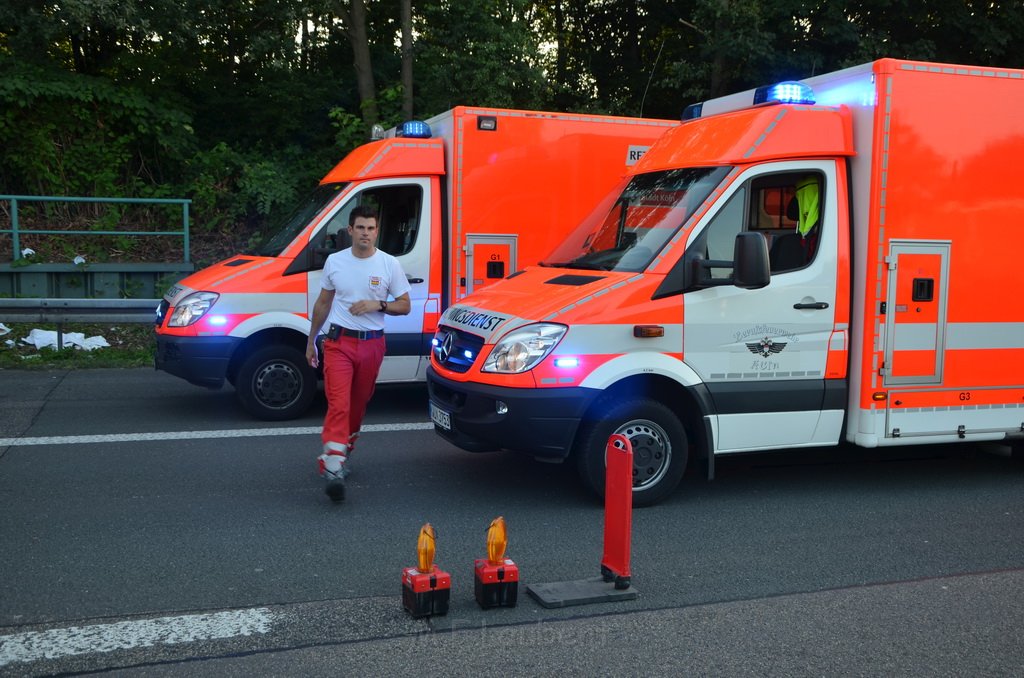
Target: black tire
x: 275, y: 383
x: 658, y: 439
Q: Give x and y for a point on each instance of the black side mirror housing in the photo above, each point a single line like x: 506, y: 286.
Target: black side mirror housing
x: 750, y: 256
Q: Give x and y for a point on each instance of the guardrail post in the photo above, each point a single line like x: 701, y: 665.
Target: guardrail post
x: 184, y: 226
x: 15, y: 241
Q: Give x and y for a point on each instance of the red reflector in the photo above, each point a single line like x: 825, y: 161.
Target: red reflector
x: 648, y: 331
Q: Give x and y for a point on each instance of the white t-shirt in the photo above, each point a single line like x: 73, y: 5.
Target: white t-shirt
x: 377, y: 277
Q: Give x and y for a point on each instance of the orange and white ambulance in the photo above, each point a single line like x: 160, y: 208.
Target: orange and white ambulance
x: 829, y: 260
x: 464, y: 199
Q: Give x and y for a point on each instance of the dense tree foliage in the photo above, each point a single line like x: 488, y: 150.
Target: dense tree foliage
x: 242, y: 104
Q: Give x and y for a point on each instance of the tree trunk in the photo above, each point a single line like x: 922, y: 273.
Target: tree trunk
x: 407, y: 59
x: 362, y: 64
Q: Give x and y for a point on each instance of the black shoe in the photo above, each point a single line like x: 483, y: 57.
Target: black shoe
x: 335, y: 489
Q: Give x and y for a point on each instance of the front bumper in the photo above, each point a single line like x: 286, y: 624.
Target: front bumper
x: 541, y: 422
x: 202, y: 361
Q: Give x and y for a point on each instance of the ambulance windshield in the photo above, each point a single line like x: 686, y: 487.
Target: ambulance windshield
x: 630, y: 227
x: 300, y: 217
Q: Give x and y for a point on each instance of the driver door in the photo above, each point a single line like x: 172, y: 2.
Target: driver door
x: 404, y: 209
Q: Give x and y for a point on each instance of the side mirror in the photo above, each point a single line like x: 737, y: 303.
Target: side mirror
x: 750, y: 256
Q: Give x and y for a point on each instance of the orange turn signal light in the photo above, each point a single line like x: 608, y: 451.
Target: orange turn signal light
x: 879, y: 395
x: 648, y: 331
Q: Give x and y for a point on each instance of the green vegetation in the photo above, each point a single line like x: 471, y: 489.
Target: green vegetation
x: 242, y: 106
x: 131, y: 345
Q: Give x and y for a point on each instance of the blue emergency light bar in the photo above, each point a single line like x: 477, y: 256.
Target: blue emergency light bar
x: 692, y: 112
x: 789, y: 92
x: 784, y: 93
x: 414, y: 129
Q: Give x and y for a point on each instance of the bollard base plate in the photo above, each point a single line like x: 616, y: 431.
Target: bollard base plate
x: 579, y: 592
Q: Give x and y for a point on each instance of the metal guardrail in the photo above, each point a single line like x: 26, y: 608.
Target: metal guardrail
x: 16, y: 231
x: 60, y: 311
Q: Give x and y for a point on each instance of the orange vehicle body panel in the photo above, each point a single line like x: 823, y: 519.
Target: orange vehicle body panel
x: 396, y: 157
x: 953, y: 186
x: 755, y: 135
x: 234, y: 281
x: 503, y: 189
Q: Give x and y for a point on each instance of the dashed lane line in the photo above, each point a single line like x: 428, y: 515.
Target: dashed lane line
x: 126, y: 635
x: 198, y: 435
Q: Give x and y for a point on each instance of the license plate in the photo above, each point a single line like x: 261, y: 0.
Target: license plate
x: 440, y: 417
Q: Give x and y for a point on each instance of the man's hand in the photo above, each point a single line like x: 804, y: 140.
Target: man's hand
x: 364, y: 306
x: 311, y: 355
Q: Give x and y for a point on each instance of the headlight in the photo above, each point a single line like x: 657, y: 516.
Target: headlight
x: 522, y: 349
x: 192, y: 308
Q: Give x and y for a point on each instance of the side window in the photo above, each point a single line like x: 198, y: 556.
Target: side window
x: 721, y: 232
x: 787, y: 210
x: 398, y: 215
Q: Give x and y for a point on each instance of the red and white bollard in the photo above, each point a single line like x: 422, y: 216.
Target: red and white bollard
x: 618, y: 511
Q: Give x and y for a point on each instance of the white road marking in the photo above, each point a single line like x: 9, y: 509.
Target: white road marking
x: 197, y: 435
x: 126, y: 635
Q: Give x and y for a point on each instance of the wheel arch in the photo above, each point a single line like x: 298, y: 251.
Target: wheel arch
x: 690, y: 403
x: 268, y: 337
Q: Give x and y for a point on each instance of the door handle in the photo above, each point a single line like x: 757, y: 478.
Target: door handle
x: 817, y: 305
x: 414, y: 280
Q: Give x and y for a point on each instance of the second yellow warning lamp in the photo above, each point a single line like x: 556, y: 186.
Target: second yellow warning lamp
x: 497, y: 541
x: 497, y: 577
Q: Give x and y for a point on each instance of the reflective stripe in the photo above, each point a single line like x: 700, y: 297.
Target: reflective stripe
x: 260, y: 302
x: 978, y: 336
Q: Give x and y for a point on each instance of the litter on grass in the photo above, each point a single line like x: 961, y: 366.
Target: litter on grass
x: 48, y: 339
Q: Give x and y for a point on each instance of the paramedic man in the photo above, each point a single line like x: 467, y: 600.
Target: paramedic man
x: 356, y: 285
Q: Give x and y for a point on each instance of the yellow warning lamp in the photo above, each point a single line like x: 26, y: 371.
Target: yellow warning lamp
x: 497, y: 540
x: 425, y: 549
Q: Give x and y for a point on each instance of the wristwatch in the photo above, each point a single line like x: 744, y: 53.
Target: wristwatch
x: 384, y: 306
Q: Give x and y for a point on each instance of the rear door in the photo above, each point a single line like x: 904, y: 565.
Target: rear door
x: 915, y: 312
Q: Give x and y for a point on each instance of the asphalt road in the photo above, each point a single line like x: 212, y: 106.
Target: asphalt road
x: 177, y: 539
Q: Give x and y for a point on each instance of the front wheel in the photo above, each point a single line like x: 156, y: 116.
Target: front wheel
x: 658, y: 439
x: 275, y: 383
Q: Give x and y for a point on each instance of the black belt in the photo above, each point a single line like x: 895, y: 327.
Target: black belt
x: 358, y: 334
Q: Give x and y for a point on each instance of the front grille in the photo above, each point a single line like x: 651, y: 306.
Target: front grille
x: 459, y: 353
